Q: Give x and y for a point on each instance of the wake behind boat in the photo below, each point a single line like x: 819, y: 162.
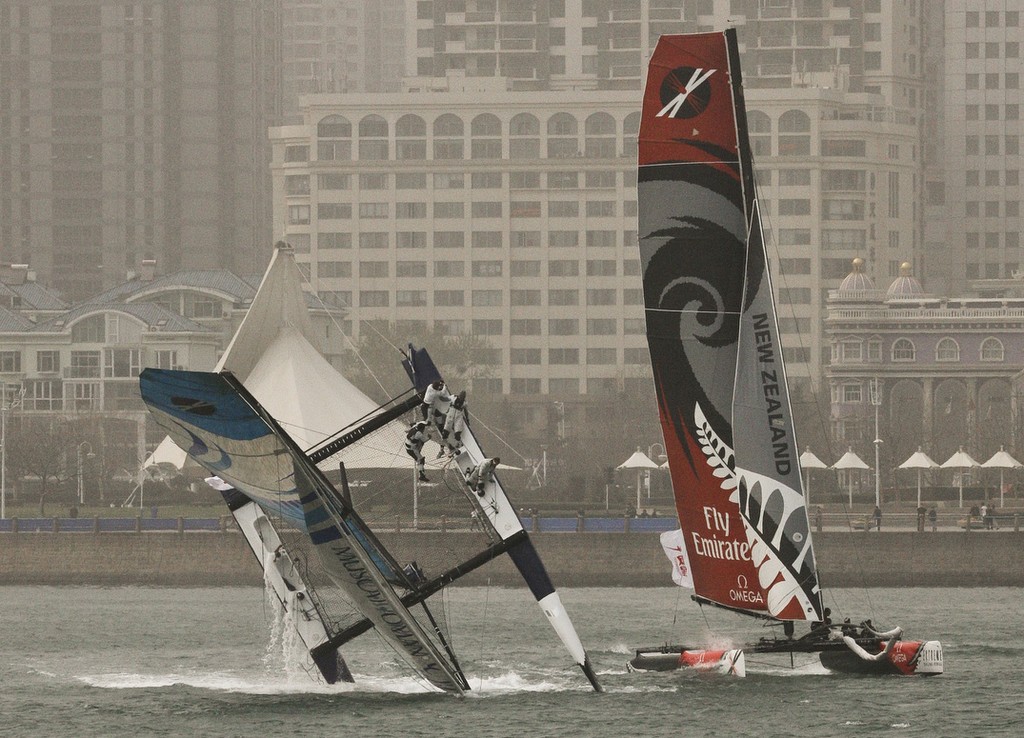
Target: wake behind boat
x: 280, y: 431
x: 745, y: 539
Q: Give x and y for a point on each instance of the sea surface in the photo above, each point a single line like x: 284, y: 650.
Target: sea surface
x: 119, y: 661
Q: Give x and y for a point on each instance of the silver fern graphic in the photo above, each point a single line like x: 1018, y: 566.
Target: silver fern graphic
x: 787, y: 513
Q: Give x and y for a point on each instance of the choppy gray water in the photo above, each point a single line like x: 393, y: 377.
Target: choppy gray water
x: 89, y: 661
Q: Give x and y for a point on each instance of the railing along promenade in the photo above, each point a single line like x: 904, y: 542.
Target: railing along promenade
x: 830, y: 522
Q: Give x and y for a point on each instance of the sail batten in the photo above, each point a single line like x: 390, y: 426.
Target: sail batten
x: 713, y: 337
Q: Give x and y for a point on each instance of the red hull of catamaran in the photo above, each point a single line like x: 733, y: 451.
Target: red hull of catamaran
x: 729, y: 662
x: 907, y: 658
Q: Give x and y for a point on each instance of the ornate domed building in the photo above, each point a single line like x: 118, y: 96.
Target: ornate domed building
x: 947, y: 370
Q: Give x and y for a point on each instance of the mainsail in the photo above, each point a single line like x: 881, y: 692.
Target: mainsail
x: 713, y: 338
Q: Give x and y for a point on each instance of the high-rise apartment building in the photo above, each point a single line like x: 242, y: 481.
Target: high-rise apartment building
x: 340, y: 46
x: 974, y: 191
x: 135, y: 130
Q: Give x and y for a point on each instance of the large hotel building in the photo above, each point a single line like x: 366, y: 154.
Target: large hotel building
x: 512, y: 216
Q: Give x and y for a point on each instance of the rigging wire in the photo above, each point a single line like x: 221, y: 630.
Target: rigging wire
x: 348, y: 338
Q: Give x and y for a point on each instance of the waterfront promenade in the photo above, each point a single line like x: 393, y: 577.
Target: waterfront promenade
x: 578, y: 551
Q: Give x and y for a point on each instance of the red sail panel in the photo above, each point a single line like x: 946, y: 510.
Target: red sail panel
x: 693, y: 239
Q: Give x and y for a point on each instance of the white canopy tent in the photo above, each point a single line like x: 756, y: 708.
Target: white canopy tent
x: 960, y: 460
x: 639, y: 461
x: 1001, y: 460
x: 166, y: 457
x: 919, y: 460
x: 809, y: 461
x: 848, y: 462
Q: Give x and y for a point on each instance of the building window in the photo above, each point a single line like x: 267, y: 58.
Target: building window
x: 47, y: 362
x: 296, y: 184
x: 525, y: 386
x: 991, y: 349
x: 601, y: 326
x: 335, y: 240
x: 10, y: 361
x: 525, y: 268
x: 373, y: 298
x: 84, y: 364
x: 373, y: 240
x: 852, y: 394
x: 486, y: 268
x: 449, y: 209
x: 333, y: 210
x: 525, y: 356
x: 372, y: 209
x: 563, y: 356
x: 333, y: 181
x: 563, y: 297
x: 601, y: 356
x: 414, y: 210
x: 411, y: 239
x: 411, y: 269
x: 601, y: 267
x: 334, y: 269
x: 449, y: 268
x: 44, y: 395
x: 296, y: 153
x: 122, y: 363
x: 373, y: 269
x: 563, y: 327
x: 852, y: 351
x: 486, y: 298
x: 486, y: 239
x: 449, y: 298
x: 298, y: 214
x: 563, y: 239
x: 450, y: 239
x: 947, y: 350
x: 486, y: 209
x: 411, y: 298
x: 487, y: 327
x: 525, y: 298
x: 524, y: 327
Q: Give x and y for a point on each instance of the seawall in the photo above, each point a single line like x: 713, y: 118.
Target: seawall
x: 909, y: 559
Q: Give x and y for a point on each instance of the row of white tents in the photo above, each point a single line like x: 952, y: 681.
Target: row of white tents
x: 919, y: 460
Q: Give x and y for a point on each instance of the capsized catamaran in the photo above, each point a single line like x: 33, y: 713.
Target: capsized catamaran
x: 745, y: 539
x: 266, y: 425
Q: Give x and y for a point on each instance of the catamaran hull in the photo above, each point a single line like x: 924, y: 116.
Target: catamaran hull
x: 717, y: 661
x: 907, y: 658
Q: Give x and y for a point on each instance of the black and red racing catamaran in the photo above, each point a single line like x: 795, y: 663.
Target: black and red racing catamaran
x: 744, y: 542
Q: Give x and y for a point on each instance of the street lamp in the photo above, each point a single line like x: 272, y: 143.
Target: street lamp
x: 876, y: 400
x: 89, y: 455
x: 659, y: 460
x: 4, y: 407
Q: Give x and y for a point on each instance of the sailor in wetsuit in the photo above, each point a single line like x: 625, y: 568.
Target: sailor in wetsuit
x: 435, y: 401
x: 455, y: 423
x: 415, y: 437
x: 478, y: 477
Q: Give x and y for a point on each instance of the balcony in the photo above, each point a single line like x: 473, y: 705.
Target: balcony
x: 622, y: 15
x: 527, y: 16
x: 518, y: 44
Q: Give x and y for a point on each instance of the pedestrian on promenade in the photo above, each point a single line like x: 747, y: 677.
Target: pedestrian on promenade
x: 877, y: 515
x: 933, y: 516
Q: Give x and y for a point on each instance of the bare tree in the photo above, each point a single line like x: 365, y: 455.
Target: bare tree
x: 43, y: 448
